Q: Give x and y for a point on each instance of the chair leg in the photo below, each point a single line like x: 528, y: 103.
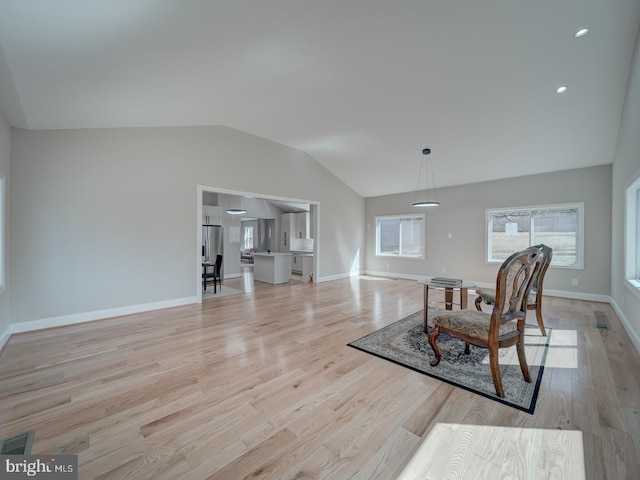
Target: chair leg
x: 467, y: 348
x: 433, y: 336
x: 495, y: 370
x: 524, y: 367
x: 539, y: 318
x: 479, y: 304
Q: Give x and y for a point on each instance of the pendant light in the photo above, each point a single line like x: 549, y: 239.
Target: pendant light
x: 237, y: 211
x: 426, y: 203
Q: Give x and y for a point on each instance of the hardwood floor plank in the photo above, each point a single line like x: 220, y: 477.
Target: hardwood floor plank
x: 422, y: 417
x: 250, y: 464
x: 584, y: 411
x: 594, y: 457
x: 609, y: 406
x: 620, y: 458
x: 633, y: 419
x: 391, y: 457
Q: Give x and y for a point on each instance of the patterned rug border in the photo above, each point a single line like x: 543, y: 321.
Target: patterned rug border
x: 537, y: 381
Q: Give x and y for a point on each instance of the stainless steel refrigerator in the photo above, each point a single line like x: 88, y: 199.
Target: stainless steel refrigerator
x: 212, y: 245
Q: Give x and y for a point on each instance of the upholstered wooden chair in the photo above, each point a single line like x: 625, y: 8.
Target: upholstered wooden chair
x: 504, y: 326
x: 534, y: 300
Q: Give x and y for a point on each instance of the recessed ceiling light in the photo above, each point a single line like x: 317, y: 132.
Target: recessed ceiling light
x: 582, y: 32
x: 561, y: 89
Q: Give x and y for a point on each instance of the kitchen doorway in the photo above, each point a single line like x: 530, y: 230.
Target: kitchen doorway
x: 235, y: 199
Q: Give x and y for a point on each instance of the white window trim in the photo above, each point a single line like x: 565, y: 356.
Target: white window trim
x: 631, y: 273
x: 244, y: 237
x: 408, y: 215
x: 558, y: 206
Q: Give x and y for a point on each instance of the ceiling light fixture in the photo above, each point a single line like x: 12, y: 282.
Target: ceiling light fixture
x: 561, y: 89
x: 427, y: 202
x: 582, y: 32
x: 237, y: 211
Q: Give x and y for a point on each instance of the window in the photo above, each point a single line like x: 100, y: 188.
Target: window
x: 632, y: 237
x: 558, y: 226
x: 400, y: 236
x: 248, y: 238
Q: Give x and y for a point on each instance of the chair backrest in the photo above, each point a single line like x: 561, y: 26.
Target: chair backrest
x: 545, y: 261
x: 513, y: 284
x: 218, y: 264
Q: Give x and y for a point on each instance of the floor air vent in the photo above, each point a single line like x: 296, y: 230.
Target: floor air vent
x: 18, y: 445
x: 602, y: 322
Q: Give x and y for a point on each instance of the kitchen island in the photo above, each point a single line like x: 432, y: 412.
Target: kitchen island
x: 272, y: 267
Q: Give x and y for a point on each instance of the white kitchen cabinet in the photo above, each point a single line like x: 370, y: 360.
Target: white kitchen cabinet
x: 293, y: 226
x: 296, y: 263
x: 287, y: 226
x: 211, y: 215
x: 302, y: 225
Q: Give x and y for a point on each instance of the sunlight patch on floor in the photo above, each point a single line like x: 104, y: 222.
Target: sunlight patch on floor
x: 451, y: 450
x: 563, y: 349
x: 562, y: 352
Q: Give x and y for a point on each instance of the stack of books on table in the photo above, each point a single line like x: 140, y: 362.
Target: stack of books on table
x: 446, y: 282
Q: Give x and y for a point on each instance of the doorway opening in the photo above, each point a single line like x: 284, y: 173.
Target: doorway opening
x: 257, y: 205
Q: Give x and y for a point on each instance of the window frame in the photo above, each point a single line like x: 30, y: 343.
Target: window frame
x: 632, y: 235
x: 579, y: 265
x: 244, y: 237
x: 420, y: 216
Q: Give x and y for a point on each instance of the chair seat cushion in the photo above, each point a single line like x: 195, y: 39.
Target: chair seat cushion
x: 470, y: 322
x: 489, y: 296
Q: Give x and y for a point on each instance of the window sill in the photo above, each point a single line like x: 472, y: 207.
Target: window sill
x: 634, y: 286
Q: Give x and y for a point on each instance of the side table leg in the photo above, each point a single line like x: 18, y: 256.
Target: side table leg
x: 426, y: 307
x: 448, y: 298
x: 464, y: 294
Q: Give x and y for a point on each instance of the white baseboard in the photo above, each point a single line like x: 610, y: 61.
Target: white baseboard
x: 64, y: 320
x: 4, y: 337
x: 340, y: 276
x: 633, y: 335
x: 591, y: 297
x: 404, y: 276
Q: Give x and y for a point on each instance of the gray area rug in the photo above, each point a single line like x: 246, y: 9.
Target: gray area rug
x: 405, y: 343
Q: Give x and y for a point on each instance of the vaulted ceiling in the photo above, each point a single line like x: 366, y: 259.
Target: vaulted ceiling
x: 360, y: 85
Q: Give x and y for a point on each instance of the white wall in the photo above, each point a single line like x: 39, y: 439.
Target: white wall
x: 106, y: 218
x: 5, y: 164
x: 462, y: 213
x: 626, y: 165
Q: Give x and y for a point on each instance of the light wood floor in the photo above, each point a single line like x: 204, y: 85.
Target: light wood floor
x: 262, y: 385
